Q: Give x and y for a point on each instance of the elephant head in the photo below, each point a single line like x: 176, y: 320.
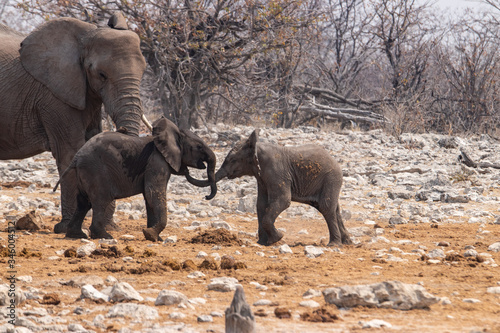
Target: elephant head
x: 182, y: 149
x: 84, y: 66
x: 241, y: 161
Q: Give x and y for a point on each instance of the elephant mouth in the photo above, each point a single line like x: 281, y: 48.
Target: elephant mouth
x: 200, y: 164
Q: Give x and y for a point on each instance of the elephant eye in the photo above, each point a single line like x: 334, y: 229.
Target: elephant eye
x: 102, y: 76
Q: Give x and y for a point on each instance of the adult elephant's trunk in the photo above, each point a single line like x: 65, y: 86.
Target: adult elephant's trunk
x: 125, y: 109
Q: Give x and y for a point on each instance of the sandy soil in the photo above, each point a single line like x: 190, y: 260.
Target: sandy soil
x: 287, y: 276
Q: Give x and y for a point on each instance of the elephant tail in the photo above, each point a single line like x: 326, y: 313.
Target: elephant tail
x: 71, y: 166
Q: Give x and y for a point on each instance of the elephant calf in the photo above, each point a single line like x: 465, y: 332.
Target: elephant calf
x: 306, y: 174
x: 114, y: 165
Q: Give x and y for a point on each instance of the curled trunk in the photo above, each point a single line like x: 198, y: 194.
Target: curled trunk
x: 211, y: 181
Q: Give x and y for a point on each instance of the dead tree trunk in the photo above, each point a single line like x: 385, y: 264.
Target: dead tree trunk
x: 239, y: 316
x: 463, y: 158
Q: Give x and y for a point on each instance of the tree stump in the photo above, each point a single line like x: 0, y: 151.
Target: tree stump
x: 239, y: 316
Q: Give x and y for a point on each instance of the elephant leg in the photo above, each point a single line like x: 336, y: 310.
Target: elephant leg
x: 328, y: 208
x: 156, y: 208
x: 271, y: 212
x: 69, y: 201
x: 346, y: 239
x: 109, y: 224
x: 74, y: 229
x: 261, y: 207
x: 100, y: 216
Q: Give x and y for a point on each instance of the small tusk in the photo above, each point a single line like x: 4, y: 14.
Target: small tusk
x: 146, y: 122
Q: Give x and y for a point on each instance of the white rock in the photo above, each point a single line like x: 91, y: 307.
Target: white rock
x: 376, y: 323
x: 223, y: 284
x: 310, y: 293
x: 436, y: 253
x: 88, y: 291
x: 170, y: 240
x: 122, y: 291
x: 471, y: 300
x: 5, y: 295
x: 495, y: 247
x: 24, y: 278
x: 262, y: 302
x: 170, y: 297
x: 309, y: 304
x: 136, y: 311
x: 177, y: 315
x: 205, y: 319
x: 285, y: 249
x: 86, y: 250
x: 313, y: 251
x: 493, y: 290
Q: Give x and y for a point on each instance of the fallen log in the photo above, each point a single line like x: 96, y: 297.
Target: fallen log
x: 465, y: 159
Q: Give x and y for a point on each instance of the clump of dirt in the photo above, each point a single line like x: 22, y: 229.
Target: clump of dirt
x: 189, y: 265
x: 149, y: 253
x: 282, y: 313
x: 51, y: 299
x: 260, y: 313
x: 321, y: 315
x: 83, y: 269
x: 219, y: 236
x: 30, y: 222
x: 20, y: 183
x: 113, y: 268
x: 148, y: 268
x: 27, y: 253
x: 454, y: 257
x: 70, y: 253
x: 174, y: 264
x: 129, y: 249
x: 228, y: 262
x: 208, y: 264
x: 4, y: 251
x: 112, y: 252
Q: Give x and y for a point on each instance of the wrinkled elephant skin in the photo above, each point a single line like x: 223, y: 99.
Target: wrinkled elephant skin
x: 113, y: 165
x: 53, y: 83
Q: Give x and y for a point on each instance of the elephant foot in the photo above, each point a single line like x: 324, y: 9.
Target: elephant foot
x: 61, y: 227
x: 112, y: 226
x: 78, y: 234
x: 100, y: 234
x: 334, y: 244
x: 151, y: 234
x: 346, y: 240
x: 278, y: 235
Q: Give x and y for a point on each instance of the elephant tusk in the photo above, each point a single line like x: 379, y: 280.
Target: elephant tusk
x: 146, y: 122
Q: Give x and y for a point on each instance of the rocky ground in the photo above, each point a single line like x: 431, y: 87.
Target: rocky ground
x: 426, y: 231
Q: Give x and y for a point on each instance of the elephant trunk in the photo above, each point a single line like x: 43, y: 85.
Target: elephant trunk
x: 211, y: 176
x: 126, y: 109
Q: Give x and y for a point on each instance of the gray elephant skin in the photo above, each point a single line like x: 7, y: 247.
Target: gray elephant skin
x: 113, y: 165
x: 305, y: 174
x: 53, y: 83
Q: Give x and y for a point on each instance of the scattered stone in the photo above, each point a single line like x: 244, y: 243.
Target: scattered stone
x: 196, y: 275
x: 495, y: 247
x: 436, y: 253
x: 81, y: 280
x: 262, y: 302
x: 205, y: 319
x: 170, y: 240
x: 132, y: 310
x: 313, y: 251
x: 122, y: 291
x: 310, y: 293
x: 5, y: 295
x: 170, y: 297
x: 389, y: 294
x: 309, y: 304
x: 86, y: 249
x: 471, y: 300
x: 223, y: 284
x: 493, y: 290
x: 375, y: 323
x: 285, y: 249
x: 88, y: 291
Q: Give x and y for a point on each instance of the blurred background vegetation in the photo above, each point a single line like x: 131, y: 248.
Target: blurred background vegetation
x: 401, y: 65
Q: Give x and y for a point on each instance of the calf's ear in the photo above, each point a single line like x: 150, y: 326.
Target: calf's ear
x: 166, y: 137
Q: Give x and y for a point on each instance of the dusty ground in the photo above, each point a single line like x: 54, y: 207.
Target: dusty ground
x: 286, y: 276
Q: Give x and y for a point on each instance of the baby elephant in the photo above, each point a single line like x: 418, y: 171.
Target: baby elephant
x: 114, y: 165
x: 306, y: 174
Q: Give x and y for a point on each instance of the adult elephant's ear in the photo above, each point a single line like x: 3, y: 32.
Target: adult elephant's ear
x: 51, y: 54
x: 252, y: 145
x: 166, y: 136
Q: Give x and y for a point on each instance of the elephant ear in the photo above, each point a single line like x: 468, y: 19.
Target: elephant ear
x: 252, y: 145
x: 51, y: 54
x: 166, y: 136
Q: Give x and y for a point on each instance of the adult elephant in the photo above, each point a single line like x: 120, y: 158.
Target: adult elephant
x: 53, y: 83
